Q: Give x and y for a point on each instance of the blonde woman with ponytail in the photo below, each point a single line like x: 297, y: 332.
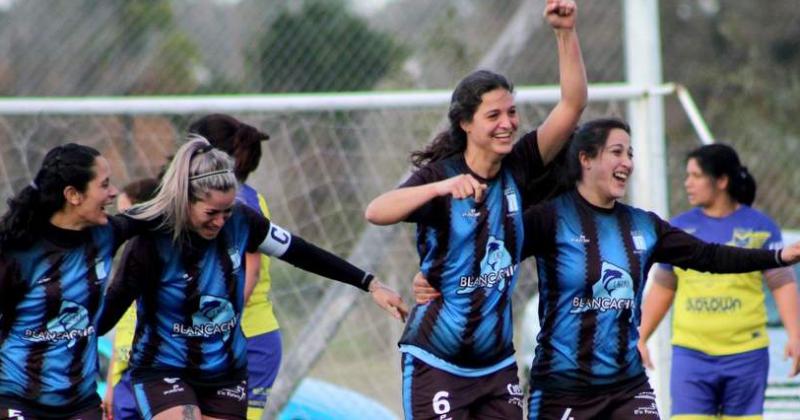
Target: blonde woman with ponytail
x: 189, y: 354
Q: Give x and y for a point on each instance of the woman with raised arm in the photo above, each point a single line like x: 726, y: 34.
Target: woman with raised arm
x: 56, y: 247
x: 593, y: 254
x: 467, y: 197
x: 189, y: 355
x: 720, y: 356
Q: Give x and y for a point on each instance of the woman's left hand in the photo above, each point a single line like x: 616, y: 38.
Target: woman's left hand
x: 791, y: 254
x: 388, y: 299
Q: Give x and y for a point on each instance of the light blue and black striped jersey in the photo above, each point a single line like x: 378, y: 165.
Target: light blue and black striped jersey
x: 592, y: 264
x: 189, y: 300
x: 51, y: 297
x: 470, y: 252
x: 189, y: 295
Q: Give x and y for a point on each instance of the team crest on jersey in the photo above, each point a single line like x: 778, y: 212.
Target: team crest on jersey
x: 100, y: 268
x: 613, y: 291
x: 511, y: 200
x: 639, y: 243
x: 748, y: 238
x: 215, y: 316
x: 496, y: 268
x: 236, y: 257
x: 70, y: 325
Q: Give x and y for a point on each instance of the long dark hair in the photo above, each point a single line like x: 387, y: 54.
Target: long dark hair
x: 466, y: 99
x: 718, y: 160
x: 589, y: 138
x: 66, y: 165
x: 241, y: 141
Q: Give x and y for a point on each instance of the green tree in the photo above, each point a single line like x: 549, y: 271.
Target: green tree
x: 323, y: 47
x: 90, y: 47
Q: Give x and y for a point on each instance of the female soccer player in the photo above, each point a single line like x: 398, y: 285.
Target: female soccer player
x: 56, y: 246
x: 118, y: 401
x: 720, y: 359
x: 243, y: 142
x: 189, y: 356
x: 593, y: 254
x: 457, y: 352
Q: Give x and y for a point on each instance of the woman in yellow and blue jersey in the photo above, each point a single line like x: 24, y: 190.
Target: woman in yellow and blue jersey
x: 720, y: 358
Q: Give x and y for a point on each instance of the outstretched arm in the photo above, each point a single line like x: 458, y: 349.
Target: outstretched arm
x: 135, y: 272
x: 559, y: 125
x: 783, y: 284
x: 679, y: 248
x: 309, y: 257
x: 397, y: 205
x: 656, y: 305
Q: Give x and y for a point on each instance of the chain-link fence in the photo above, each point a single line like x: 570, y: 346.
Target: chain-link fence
x: 121, y: 47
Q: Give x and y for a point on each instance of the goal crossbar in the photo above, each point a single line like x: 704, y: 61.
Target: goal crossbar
x: 298, y: 102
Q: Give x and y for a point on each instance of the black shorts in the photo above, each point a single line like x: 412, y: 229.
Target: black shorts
x: 431, y: 393
x: 226, y: 401
x: 88, y: 409
x: 635, y: 402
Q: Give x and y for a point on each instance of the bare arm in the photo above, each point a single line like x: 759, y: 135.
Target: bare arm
x: 251, y: 275
x: 656, y: 305
x: 559, y: 125
x: 108, y: 398
x: 786, y: 299
x: 397, y: 205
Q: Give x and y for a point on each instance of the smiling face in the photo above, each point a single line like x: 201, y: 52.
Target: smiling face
x: 89, y: 206
x: 494, y: 125
x: 208, y: 215
x: 606, y: 175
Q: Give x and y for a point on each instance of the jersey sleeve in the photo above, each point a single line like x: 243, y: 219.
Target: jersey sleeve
x: 537, y: 181
x: 138, y: 269
x: 259, y: 228
x: 428, y: 212
x: 775, y: 240
x: 126, y: 227
x: 666, y: 266
x: 526, y: 154
x: 540, y: 230
x: 679, y: 248
x: 278, y: 242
